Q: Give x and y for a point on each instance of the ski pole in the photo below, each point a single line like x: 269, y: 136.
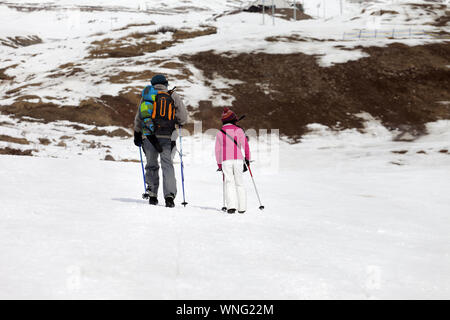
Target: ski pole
x: 241, y: 118
x: 184, y: 203
x: 224, y: 208
x: 145, y: 195
x: 261, y: 207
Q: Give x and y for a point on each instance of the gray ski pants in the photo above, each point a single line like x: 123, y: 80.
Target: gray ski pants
x: 152, y: 168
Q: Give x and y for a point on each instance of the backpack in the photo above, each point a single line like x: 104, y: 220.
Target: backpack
x: 157, y: 112
x: 149, y: 93
x: 146, y: 109
x: 163, y: 114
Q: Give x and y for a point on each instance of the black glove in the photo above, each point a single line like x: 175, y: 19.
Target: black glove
x: 246, y: 165
x: 154, y: 141
x: 173, y: 144
x: 137, y: 139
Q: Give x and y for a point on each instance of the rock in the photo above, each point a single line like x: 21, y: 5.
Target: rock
x: 109, y: 157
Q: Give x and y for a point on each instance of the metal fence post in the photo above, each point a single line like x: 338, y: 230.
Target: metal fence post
x: 263, y: 10
x: 295, y: 10
x: 273, y: 13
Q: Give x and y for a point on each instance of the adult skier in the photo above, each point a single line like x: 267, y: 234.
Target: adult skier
x: 160, y: 109
x: 230, y: 141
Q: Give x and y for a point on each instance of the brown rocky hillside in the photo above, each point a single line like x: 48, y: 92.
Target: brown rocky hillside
x: 403, y: 86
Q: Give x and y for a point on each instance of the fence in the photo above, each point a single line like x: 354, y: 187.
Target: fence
x: 392, y: 34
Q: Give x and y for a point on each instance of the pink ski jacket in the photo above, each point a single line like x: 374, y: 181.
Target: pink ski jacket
x: 226, y: 149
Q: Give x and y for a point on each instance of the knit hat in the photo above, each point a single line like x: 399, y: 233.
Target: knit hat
x: 159, y: 79
x: 228, y: 115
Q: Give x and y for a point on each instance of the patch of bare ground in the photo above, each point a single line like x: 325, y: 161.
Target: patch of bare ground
x: 438, y: 34
x: 115, y: 133
x: 109, y: 50
x: 288, y: 14
x: 30, y: 120
x: 3, y: 75
x: 104, y: 111
x: 131, y: 25
x: 44, y: 141
x: 10, y: 139
x: 109, y: 157
x: 129, y: 160
x: 31, y: 8
x: 76, y: 127
x: 61, y: 144
x: 94, y: 144
x: 290, y: 38
x: 432, y: 8
x: 383, y: 12
x: 284, y: 13
x: 128, y: 46
x: 127, y: 76
x: 184, y: 34
x: 17, y: 42
x: 189, y: 8
x: 17, y: 89
x: 146, y: 75
x: 28, y: 97
x: 398, y: 84
x: 16, y: 152
x: 428, y: 6
x: 294, y: 38
x: 442, y: 21
x: 172, y: 65
x: 66, y: 70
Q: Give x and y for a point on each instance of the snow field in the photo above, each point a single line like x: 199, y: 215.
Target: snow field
x: 340, y: 222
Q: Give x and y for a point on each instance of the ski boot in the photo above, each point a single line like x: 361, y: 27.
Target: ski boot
x: 153, y: 201
x: 169, y: 202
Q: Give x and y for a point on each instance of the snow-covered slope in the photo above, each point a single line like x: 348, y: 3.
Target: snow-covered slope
x: 349, y: 214
x: 69, y: 31
x: 341, y: 221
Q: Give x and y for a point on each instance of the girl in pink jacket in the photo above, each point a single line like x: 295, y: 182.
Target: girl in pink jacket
x: 230, y: 141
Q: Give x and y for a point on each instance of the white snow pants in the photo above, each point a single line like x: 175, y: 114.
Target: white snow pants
x: 235, y: 194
